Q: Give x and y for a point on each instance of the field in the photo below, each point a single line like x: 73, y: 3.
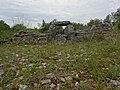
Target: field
x: 90, y: 65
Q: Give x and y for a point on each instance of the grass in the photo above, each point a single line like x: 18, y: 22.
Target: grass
x: 89, y: 64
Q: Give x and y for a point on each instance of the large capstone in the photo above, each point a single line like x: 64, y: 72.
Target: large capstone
x: 62, y: 23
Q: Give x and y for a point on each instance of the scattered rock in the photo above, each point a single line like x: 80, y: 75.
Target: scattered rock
x: 40, y: 67
x: 22, y: 87
x: 87, y: 59
x: 20, y: 62
x: 69, y: 78
x: 52, y: 85
x: 61, y: 69
x: 42, y: 38
x: 82, y: 72
x: 9, y: 86
x: 1, y: 73
x: 11, y: 61
x: 30, y: 65
x: 55, y: 80
x: 115, y: 82
x: 24, y: 68
x: 35, y: 84
x: 58, y: 87
x: 18, y: 72
x: 1, y: 65
x: 50, y: 75
x: 59, y: 60
x: 59, y: 53
x: 77, y: 75
x: 77, y: 83
x: 68, y: 56
x: 44, y: 65
x: 45, y: 81
x: 25, y: 45
x: 62, y: 79
x: 21, y: 78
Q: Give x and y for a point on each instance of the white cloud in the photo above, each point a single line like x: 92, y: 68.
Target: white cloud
x: 74, y: 10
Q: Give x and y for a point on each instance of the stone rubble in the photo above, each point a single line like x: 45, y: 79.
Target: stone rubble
x: 58, y: 34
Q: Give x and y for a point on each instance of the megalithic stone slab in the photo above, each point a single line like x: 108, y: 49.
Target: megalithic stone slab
x: 62, y: 23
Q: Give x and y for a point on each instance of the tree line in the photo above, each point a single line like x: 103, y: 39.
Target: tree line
x: 113, y: 19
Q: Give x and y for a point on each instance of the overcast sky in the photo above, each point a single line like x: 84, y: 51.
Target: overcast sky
x: 33, y: 11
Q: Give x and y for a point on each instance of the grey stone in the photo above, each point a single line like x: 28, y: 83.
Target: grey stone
x: 9, y: 86
x: 58, y: 87
x: 46, y: 81
x: 52, y: 85
x: 69, y: 78
x: 1, y: 65
x: 1, y: 73
x: 115, y: 82
x: 42, y: 39
x: 77, y: 83
x: 50, y: 75
x: 22, y: 87
x: 62, y: 79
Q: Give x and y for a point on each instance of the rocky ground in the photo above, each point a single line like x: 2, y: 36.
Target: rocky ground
x: 70, y: 66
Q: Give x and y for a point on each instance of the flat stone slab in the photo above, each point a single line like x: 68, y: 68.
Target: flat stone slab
x: 62, y: 23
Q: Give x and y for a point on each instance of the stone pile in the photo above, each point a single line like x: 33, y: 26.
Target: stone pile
x: 60, y: 32
x: 28, y: 37
x: 100, y: 29
x: 69, y: 33
x: 23, y: 36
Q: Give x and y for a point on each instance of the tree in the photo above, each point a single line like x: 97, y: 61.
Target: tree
x: 116, y: 19
x: 5, y: 31
x: 4, y: 26
x: 44, y: 27
x: 117, y: 15
x: 107, y: 19
x: 117, y: 24
x: 43, y: 23
x: 94, y: 22
x: 79, y: 26
x: 18, y: 27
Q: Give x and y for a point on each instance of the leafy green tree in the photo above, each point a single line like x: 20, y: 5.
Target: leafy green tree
x: 44, y: 27
x: 18, y: 27
x: 107, y: 19
x: 43, y: 23
x: 116, y: 17
x: 94, y: 22
x: 79, y: 26
x: 117, y: 24
x: 4, y: 26
x: 5, y: 31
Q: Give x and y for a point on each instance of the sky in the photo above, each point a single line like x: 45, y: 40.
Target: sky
x: 32, y: 12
